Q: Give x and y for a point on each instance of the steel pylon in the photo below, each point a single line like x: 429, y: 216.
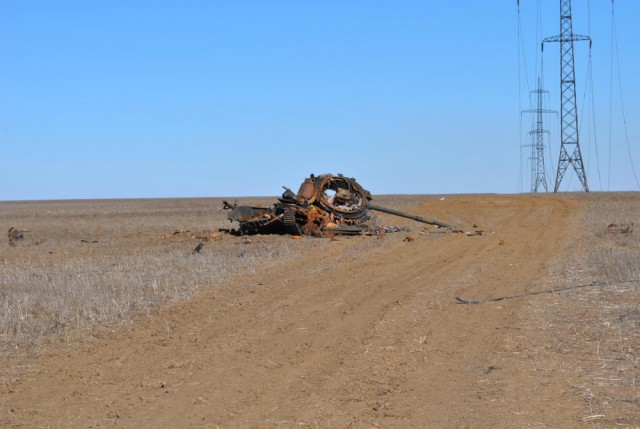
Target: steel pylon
x: 538, y: 172
x: 570, y: 153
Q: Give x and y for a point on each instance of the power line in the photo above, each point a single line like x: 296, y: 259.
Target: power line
x: 624, y: 118
x: 521, y: 56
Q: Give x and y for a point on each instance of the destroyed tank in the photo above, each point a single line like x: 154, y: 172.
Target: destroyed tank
x: 324, y: 206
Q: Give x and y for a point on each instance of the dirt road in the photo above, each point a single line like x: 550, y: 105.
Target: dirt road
x: 368, y: 334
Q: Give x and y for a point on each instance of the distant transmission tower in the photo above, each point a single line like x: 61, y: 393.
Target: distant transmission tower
x: 538, y: 174
x: 569, y: 143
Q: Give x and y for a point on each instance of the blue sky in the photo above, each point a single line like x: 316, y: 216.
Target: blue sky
x: 138, y: 98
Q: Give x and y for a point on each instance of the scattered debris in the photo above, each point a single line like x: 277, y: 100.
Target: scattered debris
x: 325, y: 205
x: 593, y: 417
x: 474, y: 233
x: 408, y: 239
x: 385, y: 229
x: 215, y: 235
x: 185, y: 234
x: 449, y: 231
x: 482, y: 369
x: 468, y: 301
x: 88, y: 241
x: 623, y: 228
x: 15, y: 235
x: 198, y: 248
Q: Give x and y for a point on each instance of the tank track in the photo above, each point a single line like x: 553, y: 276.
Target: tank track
x: 290, y: 225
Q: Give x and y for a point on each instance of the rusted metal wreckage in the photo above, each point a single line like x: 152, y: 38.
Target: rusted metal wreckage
x: 324, y: 206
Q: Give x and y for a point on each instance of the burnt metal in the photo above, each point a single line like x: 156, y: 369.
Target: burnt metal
x: 416, y: 218
x: 324, y: 206
x: 14, y: 235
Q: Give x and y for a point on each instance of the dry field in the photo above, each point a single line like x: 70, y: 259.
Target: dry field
x: 109, y: 319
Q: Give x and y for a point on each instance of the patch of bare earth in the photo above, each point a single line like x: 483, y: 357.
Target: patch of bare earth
x: 358, y: 332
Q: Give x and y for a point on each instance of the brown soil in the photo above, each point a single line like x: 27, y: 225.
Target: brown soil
x: 346, y: 338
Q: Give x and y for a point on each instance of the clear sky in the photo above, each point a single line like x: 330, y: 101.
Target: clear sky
x: 188, y: 98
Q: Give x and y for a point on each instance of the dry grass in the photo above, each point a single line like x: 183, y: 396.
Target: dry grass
x: 89, y: 262
x: 612, y: 312
x: 84, y: 263
x: 593, y: 337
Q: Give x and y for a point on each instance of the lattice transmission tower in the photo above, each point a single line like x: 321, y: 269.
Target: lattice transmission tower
x: 538, y: 172
x: 570, y: 153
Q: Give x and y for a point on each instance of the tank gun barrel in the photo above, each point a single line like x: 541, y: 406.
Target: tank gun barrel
x: 408, y: 216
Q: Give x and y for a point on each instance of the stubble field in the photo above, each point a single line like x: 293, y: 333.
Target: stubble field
x: 108, y: 318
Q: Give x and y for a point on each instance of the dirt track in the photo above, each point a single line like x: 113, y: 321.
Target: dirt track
x: 343, y: 339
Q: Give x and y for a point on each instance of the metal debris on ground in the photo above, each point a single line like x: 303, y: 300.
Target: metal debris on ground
x: 15, y: 235
x: 390, y: 229
x: 324, y: 206
x: 185, y: 234
x: 198, y: 248
x: 623, y: 228
x: 448, y: 231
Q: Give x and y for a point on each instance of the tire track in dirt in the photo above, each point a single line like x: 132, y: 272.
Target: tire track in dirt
x: 357, y: 337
